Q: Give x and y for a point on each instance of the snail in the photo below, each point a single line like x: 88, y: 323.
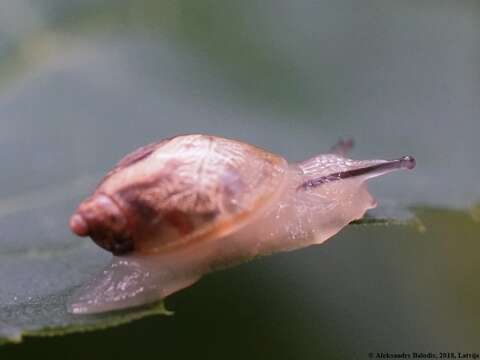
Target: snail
x: 175, y: 210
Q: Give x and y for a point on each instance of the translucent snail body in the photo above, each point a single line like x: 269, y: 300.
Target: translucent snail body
x: 173, y: 211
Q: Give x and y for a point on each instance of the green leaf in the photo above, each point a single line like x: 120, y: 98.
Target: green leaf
x: 48, y: 317
x: 41, y: 264
x: 391, y: 215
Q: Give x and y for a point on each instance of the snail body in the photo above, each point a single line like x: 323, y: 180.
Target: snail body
x: 173, y: 211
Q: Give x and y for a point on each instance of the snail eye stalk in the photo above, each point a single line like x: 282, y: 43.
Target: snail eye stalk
x: 405, y: 162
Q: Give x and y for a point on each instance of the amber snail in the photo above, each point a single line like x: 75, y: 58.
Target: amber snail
x: 175, y: 210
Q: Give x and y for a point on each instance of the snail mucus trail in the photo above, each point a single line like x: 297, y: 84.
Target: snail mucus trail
x: 173, y: 211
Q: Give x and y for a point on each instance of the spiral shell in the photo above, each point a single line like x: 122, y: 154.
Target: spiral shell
x: 182, y: 189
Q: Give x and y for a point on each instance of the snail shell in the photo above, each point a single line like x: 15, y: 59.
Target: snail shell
x: 184, y: 189
x: 175, y: 210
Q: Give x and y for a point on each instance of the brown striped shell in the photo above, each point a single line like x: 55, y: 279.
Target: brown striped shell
x: 183, y: 189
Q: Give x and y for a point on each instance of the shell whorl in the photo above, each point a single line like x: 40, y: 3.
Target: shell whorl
x: 190, y: 185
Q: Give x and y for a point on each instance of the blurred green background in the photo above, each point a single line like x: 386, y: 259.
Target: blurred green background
x: 84, y: 82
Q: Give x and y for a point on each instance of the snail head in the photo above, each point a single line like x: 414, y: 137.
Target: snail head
x: 104, y: 221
